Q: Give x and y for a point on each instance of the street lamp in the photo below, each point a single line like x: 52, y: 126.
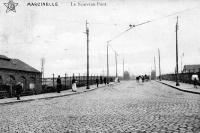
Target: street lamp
x: 177, y: 78
x: 87, y: 33
x: 107, y: 62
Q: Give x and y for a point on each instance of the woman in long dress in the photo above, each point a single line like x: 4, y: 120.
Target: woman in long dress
x: 74, y: 88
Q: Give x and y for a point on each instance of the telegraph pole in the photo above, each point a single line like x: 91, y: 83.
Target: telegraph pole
x: 116, y: 63
x: 159, y: 64
x: 107, y: 63
x: 123, y: 68
x: 155, y: 64
x: 177, y: 78
x: 42, y: 70
x: 87, y: 33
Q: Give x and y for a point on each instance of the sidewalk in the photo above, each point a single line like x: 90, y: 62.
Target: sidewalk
x: 50, y: 95
x: 183, y: 86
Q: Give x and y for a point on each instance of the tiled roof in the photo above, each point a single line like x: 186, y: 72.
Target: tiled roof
x: 4, y: 57
x: 15, y: 64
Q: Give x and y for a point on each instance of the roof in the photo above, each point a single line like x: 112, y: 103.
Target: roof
x: 3, y: 57
x: 191, y: 67
x: 15, y: 64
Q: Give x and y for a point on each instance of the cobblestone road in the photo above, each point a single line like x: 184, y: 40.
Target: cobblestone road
x: 127, y: 107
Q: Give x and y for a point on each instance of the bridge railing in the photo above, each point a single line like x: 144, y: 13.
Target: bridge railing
x: 183, y: 77
x: 50, y: 84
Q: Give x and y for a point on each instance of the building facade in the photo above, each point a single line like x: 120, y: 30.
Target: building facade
x: 13, y: 71
x: 153, y: 75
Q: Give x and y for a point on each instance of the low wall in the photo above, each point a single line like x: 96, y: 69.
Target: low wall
x: 183, y: 77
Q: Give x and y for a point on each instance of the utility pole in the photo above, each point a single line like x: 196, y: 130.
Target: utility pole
x: 107, y: 63
x: 87, y: 33
x: 123, y: 68
x: 159, y: 64
x: 177, y: 78
x: 53, y: 80
x: 155, y: 64
x: 65, y: 81
x: 116, y: 63
x: 42, y: 70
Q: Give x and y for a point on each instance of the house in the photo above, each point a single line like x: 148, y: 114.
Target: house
x: 191, y: 68
x: 15, y: 70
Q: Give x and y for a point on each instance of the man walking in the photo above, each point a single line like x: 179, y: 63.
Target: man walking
x: 18, y: 89
x: 97, y: 82
x: 59, y: 85
x: 105, y: 80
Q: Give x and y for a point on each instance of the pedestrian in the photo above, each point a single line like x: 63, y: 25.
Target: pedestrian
x: 18, y: 89
x: 137, y: 79
x: 101, y: 80
x: 97, y: 82
x: 118, y: 80
x: 74, y: 88
x: 105, y: 80
x: 142, y: 79
x: 195, y: 80
x: 59, y: 85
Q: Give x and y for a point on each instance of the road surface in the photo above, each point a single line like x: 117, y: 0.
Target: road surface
x: 126, y: 107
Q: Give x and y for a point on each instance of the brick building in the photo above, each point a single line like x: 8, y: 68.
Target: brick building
x: 15, y: 70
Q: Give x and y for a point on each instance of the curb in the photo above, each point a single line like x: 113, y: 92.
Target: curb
x: 179, y: 88
x: 50, y: 97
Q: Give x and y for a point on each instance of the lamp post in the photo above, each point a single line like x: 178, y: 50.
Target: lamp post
x: 107, y: 63
x: 123, y: 68
x: 116, y: 63
x: 159, y: 64
x: 87, y: 33
x: 177, y: 78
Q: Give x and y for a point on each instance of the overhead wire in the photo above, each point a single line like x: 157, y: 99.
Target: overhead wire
x: 150, y: 21
x: 146, y: 22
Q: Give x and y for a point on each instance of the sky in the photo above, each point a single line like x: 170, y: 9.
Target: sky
x: 57, y: 34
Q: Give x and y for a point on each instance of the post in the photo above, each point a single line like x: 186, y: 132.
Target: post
x: 107, y: 64
x: 53, y: 80
x: 79, y: 78
x: 116, y: 63
x: 123, y: 68
x: 65, y: 81
x: 159, y: 64
x: 87, y: 33
x: 177, y: 78
x: 155, y: 65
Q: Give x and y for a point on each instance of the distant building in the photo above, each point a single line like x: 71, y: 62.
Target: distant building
x: 191, y: 68
x: 15, y: 70
x: 153, y: 75
x: 126, y: 75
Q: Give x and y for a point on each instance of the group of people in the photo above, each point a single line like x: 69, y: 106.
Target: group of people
x: 142, y: 78
x: 102, y: 80
x: 98, y: 81
x: 59, y: 84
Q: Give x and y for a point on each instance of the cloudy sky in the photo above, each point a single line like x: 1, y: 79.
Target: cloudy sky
x: 58, y: 35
